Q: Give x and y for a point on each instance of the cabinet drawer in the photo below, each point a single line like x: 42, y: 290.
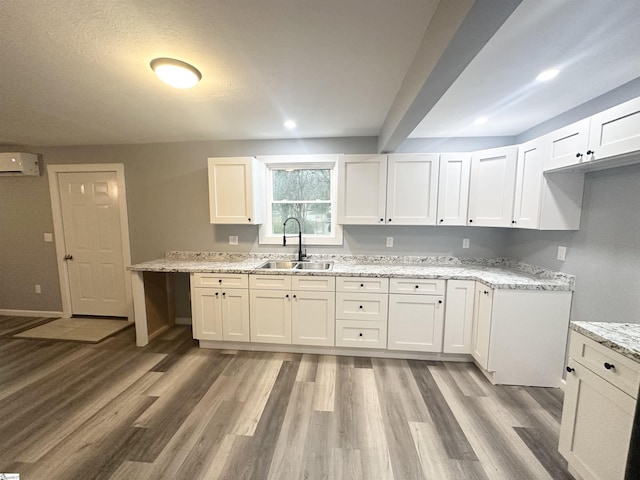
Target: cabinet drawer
x: 361, y: 334
x: 625, y: 373
x: 227, y: 280
x: 416, y: 286
x: 314, y: 284
x: 362, y: 306
x: 270, y: 282
x: 362, y: 284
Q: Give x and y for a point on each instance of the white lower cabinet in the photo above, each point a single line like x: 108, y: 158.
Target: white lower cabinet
x: 416, y: 319
x: 597, y: 416
x: 293, y: 310
x: 361, y: 318
x: 481, y: 334
x: 458, y: 318
x: 220, y: 313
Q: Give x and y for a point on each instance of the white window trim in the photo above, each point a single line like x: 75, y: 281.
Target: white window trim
x: 301, y: 161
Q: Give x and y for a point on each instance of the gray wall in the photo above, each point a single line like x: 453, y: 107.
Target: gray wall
x: 167, y: 198
x: 604, y: 254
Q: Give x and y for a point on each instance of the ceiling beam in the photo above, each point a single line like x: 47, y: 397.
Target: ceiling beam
x: 458, y: 30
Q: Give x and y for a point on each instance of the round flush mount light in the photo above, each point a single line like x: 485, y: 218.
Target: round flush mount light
x: 481, y: 121
x: 547, y: 75
x: 289, y: 124
x: 176, y: 73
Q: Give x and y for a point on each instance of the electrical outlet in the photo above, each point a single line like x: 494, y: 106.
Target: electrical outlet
x: 38, y: 289
x: 465, y: 243
x: 48, y: 237
x: 562, y: 253
x: 233, y: 239
x: 389, y: 241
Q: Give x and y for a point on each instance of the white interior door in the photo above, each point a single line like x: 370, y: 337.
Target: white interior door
x: 93, y: 240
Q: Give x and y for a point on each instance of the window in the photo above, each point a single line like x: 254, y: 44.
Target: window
x: 302, y: 187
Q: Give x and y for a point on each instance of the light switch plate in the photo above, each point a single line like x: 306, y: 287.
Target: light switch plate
x: 48, y: 237
x: 38, y: 289
x: 562, y: 253
x: 233, y: 239
x: 389, y: 241
x: 465, y: 243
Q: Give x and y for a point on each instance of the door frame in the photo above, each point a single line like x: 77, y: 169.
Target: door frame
x: 58, y: 228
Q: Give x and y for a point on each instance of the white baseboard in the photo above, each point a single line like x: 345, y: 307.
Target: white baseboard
x: 183, y: 320
x: 29, y: 313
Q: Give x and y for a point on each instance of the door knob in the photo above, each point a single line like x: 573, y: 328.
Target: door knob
x: 68, y: 257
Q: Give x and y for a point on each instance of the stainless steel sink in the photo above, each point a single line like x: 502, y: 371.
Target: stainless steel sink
x: 286, y: 265
x: 277, y: 265
x: 314, y: 266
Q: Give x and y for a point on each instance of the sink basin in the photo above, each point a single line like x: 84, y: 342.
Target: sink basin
x: 278, y: 265
x: 314, y: 266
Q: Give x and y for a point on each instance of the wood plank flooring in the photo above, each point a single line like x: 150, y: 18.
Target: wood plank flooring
x: 174, y: 411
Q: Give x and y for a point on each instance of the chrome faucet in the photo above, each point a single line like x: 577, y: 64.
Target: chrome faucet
x: 284, y: 236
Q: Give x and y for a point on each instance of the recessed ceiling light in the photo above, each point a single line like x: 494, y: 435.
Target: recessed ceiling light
x: 481, y: 120
x: 176, y: 73
x: 289, y: 124
x: 547, y: 75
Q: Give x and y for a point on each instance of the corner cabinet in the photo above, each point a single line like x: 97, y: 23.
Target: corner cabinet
x: 519, y: 336
x: 220, y: 307
x: 598, y: 411
x: 492, y: 187
x: 236, y: 186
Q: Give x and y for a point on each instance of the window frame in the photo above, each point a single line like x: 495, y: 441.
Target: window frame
x: 280, y: 162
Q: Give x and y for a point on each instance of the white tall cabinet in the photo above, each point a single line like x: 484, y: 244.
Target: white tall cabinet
x: 453, y: 188
x: 236, y: 186
x: 492, y: 186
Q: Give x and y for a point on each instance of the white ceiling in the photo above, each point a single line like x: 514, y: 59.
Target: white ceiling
x: 76, y: 72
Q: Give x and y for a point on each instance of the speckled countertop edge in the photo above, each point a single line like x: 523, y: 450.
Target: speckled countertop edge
x: 497, y: 273
x: 623, y: 338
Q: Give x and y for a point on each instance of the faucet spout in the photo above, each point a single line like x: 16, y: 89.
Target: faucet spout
x: 284, y: 236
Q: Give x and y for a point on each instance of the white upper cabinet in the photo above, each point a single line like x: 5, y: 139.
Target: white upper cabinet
x: 362, y: 189
x: 491, y: 191
x: 567, y: 146
x: 551, y: 201
x: 453, y: 188
x: 412, y: 189
x: 236, y: 186
x: 615, y: 131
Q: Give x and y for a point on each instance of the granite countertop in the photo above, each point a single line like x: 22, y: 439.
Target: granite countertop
x: 623, y: 338
x: 495, y: 273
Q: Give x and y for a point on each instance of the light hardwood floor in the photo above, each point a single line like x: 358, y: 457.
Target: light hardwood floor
x: 174, y: 411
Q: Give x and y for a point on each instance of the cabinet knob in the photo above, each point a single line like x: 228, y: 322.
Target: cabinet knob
x: 389, y: 219
x: 590, y: 152
x: 362, y: 284
x: 224, y: 294
x: 360, y: 335
x: 441, y: 220
x: 417, y: 286
x: 360, y: 306
x: 220, y: 280
x: 295, y: 296
x: 578, y: 155
x: 609, y: 366
x: 513, y: 221
x: 570, y: 370
x: 439, y: 301
x: 470, y: 220
x: 216, y: 294
x: 382, y: 219
x: 249, y: 219
x: 286, y: 296
x: 486, y: 292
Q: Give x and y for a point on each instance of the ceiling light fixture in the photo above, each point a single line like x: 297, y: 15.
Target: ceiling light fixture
x: 289, y: 124
x: 176, y: 73
x: 481, y: 120
x: 547, y: 75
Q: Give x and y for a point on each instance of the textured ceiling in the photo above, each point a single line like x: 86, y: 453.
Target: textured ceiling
x: 77, y: 71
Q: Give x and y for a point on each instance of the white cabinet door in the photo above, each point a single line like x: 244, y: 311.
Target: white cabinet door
x: 567, y: 146
x: 529, y: 179
x: 453, y: 188
x: 412, y: 189
x: 235, y: 190
x: 597, y: 419
x: 207, y: 314
x: 235, y: 315
x: 615, y: 131
x: 313, y: 318
x: 458, y: 322
x: 415, y: 322
x: 270, y: 316
x: 492, y: 185
x: 481, y: 335
x: 362, y: 189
